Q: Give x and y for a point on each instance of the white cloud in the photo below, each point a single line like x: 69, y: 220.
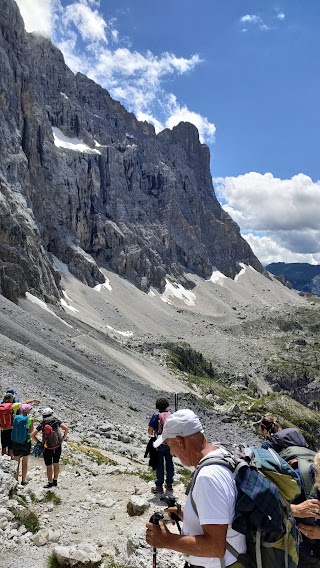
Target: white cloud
x: 93, y: 46
x: 281, y: 15
x: 255, y: 21
x: 183, y: 114
x: 251, y: 18
x: 88, y: 21
x: 285, y: 213
x: 38, y: 15
x: 268, y: 250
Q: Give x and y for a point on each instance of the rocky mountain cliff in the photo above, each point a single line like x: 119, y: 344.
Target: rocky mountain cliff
x: 83, y: 179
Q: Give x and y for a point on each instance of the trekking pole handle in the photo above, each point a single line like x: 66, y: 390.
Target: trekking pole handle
x: 172, y: 502
x: 156, y: 518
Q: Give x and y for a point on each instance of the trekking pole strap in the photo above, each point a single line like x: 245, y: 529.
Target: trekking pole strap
x: 258, y: 549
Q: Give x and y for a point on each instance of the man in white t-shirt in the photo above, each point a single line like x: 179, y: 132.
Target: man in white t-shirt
x: 206, y: 533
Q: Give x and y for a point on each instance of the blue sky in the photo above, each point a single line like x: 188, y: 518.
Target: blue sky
x: 246, y: 73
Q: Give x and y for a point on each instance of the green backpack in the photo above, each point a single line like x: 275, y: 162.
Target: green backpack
x: 305, y: 458
x: 265, y: 484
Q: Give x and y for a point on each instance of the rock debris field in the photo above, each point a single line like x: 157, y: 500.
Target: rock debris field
x: 104, y: 386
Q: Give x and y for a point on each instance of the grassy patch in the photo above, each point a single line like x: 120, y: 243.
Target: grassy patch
x: 32, y: 496
x: 94, y: 454
x: 28, y: 518
x: 52, y: 497
x: 182, y: 357
x: 22, y: 500
x: 52, y: 561
x: 148, y: 475
x: 185, y: 475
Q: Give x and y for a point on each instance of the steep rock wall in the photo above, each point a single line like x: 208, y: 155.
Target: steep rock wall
x: 138, y: 203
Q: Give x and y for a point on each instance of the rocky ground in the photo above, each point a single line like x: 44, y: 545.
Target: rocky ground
x: 103, y: 472
x: 101, y: 369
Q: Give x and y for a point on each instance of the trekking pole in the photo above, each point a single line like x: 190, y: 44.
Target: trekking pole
x: 154, y: 519
x: 172, y: 502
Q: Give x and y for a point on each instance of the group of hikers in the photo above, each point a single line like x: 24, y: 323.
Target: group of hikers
x: 274, y: 489
x: 227, y: 497
x: 18, y: 431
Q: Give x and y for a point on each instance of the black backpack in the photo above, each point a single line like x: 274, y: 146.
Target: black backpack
x: 287, y: 437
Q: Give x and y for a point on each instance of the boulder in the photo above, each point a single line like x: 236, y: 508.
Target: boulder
x: 45, y: 536
x: 81, y: 555
x: 137, y: 506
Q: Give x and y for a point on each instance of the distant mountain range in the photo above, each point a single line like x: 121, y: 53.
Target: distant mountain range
x: 302, y: 276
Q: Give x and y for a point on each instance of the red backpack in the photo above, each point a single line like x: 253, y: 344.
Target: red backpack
x: 163, y: 416
x: 6, y: 416
x: 51, y: 435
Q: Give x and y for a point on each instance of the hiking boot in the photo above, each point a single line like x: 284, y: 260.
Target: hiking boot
x: 25, y: 482
x: 157, y: 489
x: 169, y: 487
x: 55, y: 482
x: 49, y: 485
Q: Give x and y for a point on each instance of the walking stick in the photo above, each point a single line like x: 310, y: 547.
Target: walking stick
x: 154, y: 519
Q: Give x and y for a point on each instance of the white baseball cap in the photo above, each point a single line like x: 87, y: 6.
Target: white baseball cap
x: 47, y: 411
x: 183, y: 423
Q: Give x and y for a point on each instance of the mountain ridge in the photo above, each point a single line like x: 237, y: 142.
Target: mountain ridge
x: 138, y: 203
x: 300, y: 275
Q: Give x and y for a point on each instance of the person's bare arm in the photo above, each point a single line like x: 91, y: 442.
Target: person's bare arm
x: 212, y: 543
x: 150, y: 431
x: 31, y: 401
x: 34, y: 436
x: 65, y: 429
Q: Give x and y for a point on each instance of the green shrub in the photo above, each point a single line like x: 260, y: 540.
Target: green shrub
x: 52, y: 497
x: 28, y: 518
x: 188, y: 360
x: 147, y: 475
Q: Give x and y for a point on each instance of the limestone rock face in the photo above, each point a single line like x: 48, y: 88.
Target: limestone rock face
x: 132, y: 201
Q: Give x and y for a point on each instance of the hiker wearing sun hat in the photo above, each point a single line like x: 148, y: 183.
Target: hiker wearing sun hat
x: 209, y: 508
x: 52, y: 441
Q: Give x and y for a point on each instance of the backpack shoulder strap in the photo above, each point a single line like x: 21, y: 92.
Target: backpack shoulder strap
x: 225, y: 461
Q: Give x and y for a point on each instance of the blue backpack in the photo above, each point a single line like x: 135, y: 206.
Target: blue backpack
x: 20, y: 431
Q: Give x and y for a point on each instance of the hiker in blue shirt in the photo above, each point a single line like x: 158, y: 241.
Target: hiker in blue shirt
x: 155, y: 428
x: 11, y: 390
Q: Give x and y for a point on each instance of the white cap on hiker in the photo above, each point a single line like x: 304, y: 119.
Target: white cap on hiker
x: 47, y: 411
x: 183, y: 423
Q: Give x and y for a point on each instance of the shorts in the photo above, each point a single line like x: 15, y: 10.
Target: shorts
x: 51, y: 456
x: 6, y: 441
x: 21, y: 449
